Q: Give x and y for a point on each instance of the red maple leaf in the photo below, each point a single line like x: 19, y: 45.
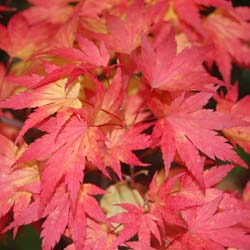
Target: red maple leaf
x: 212, y: 229
x: 64, y: 36
x: 215, y: 174
x: 49, y: 99
x: 136, y: 221
x: 175, y: 194
x: 165, y: 69
x: 75, y: 135
x: 103, y: 79
x: 227, y: 44
x: 187, y: 128
x: 67, y: 148
x: 88, y: 53
x: 57, y: 211
x: 18, y: 39
x: 87, y: 207
x: 98, y: 236
x: 45, y: 11
x: 120, y: 143
x: 17, y: 185
x: 124, y: 34
x: 60, y: 215
x: 230, y: 104
x: 189, y: 13
x: 166, y: 201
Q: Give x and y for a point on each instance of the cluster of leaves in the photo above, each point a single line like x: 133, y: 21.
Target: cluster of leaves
x: 110, y: 84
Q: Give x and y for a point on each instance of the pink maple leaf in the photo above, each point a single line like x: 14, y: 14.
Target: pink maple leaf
x: 187, y: 128
x: 165, y: 69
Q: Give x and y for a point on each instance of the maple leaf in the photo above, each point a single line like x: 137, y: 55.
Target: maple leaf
x: 92, y: 9
x: 49, y: 99
x: 173, y: 195
x: 229, y: 46
x: 134, y: 110
x: 54, y: 12
x: 207, y: 227
x: 69, y: 145
x: 120, y: 143
x: 231, y: 201
x: 165, y: 69
x: 188, y: 12
x: 169, y: 196
x: 187, y: 128
x: 18, y: 185
x: 54, y: 73
x: 214, y: 175
x: 94, y: 116
x: 124, y: 34
x: 98, y: 236
x: 136, y: 221
x: 64, y: 36
x: 60, y: 215
x: 89, y: 53
x: 26, y: 216
x: 18, y: 38
x: 165, y: 206
x: 229, y: 104
x: 87, y: 207
x: 76, y: 136
x: 108, y: 101
x: 56, y: 222
x: 102, y: 106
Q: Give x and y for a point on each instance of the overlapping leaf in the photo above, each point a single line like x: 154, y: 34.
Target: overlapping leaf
x: 187, y: 128
x: 165, y: 69
x: 120, y: 144
x: 136, y: 221
x: 49, y: 99
x: 230, y: 104
x: 18, y: 38
x: 226, y: 43
x: 88, y: 53
x: 208, y: 228
x: 18, y: 185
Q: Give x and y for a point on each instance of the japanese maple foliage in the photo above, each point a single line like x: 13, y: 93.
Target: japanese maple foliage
x: 116, y: 133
